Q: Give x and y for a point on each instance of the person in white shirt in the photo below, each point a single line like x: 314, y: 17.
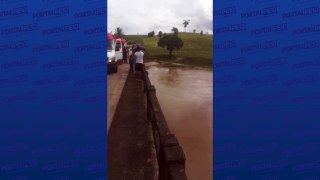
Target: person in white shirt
x: 139, y: 61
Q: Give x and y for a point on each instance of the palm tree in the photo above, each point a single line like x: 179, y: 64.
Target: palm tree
x: 185, y: 24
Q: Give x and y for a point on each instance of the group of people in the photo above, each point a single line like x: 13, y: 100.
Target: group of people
x: 134, y: 57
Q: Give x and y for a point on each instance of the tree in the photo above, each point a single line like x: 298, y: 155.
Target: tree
x: 151, y: 34
x: 201, y: 33
x: 175, y: 31
x: 164, y: 34
x: 194, y: 31
x: 160, y: 34
x: 170, y: 42
x: 118, y: 33
x: 185, y: 24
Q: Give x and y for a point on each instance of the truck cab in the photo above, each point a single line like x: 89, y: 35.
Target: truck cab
x: 119, y: 50
x: 115, y: 52
x: 111, y: 54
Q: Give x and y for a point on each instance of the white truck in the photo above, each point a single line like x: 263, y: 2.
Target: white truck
x: 115, y: 53
x: 111, y: 55
x: 119, y: 50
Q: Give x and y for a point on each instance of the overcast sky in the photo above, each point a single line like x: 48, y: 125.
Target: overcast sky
x: 143, y: 16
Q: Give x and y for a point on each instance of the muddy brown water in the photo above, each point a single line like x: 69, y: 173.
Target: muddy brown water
x: 185, y: 96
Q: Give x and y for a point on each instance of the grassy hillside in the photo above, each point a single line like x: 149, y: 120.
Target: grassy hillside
x: 135, y: 38
x: 196, y: 50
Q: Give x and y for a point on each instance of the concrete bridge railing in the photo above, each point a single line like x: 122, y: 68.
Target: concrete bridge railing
x: 170, y: 156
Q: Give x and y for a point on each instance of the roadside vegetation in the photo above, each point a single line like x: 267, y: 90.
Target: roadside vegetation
x: 196, y: 49
x: 135, y: 39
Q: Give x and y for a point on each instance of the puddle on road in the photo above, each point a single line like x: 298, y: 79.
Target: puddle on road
x: 185, y: 96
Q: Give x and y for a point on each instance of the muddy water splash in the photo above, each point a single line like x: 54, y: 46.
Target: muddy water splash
x: 185, y: 96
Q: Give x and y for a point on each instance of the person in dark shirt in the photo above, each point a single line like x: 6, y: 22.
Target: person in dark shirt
x: 124, y: 53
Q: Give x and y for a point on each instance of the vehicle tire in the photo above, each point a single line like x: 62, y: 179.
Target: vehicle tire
x: 112, y: 68
x: 115, y: 69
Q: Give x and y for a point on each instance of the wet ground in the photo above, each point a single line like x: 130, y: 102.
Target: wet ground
x: 185, y: 96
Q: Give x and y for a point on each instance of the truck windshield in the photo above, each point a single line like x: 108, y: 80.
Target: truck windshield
x: 109, y: 45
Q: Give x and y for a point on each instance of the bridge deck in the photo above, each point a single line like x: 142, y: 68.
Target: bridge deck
x: 131, y: 152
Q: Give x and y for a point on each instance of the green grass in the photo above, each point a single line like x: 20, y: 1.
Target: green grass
x: 135, y: 38
x: 196, y: 50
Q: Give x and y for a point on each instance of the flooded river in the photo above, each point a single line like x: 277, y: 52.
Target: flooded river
x: 185, y: 96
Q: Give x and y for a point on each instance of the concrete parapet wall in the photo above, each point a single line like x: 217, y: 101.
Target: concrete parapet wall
x: 170, y: 155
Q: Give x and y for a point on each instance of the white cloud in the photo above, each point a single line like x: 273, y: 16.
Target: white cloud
x: 143, y: 16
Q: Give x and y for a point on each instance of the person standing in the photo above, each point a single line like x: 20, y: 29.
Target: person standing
x: 139, y: 62
x: 124, y: 53
x: 128, y: 54
x: 134, y: 49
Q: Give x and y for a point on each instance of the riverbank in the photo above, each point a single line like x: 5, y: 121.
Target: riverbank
x: 181, y: 62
